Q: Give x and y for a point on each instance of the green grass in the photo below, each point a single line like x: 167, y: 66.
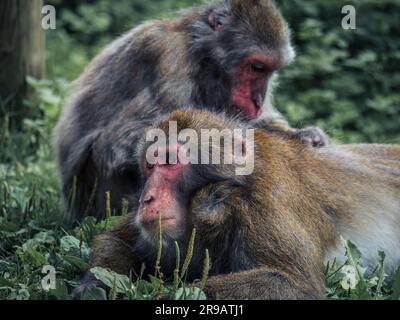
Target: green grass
x: 33, y: 233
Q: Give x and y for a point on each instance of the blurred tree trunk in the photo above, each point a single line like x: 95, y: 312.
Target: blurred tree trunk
x: 21, y: 52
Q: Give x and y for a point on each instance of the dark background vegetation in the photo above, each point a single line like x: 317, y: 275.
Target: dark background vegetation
x: 345, y: 81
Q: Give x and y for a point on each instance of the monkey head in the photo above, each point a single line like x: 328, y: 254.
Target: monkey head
x: 249, y: 41
x: 182, y: 195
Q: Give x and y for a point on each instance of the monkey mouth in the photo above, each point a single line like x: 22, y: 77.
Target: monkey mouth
x: 252, y: 107
x: 153, y: 223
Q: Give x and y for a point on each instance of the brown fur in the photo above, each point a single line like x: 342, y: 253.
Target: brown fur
x: 269, y: 233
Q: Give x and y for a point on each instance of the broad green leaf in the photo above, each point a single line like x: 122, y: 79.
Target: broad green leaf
x: 5, y: 283
x: 144, y: 287
x: 60, y: 292
x: 155, y: 282
x: 77, y: 262
x: 122, y: 283
x: 352, y: 252
x: 187, y: 293
x: 38, y: 258
x: 94, y: 293
x: 74, y: 246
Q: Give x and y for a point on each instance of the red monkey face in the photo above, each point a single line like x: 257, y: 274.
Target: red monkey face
x: 173, y: 178
x: 160, y: 201
x: 251, y: 41
x: 251, y: 82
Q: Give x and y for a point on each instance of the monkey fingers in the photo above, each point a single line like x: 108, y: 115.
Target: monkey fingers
x: 313, y: 136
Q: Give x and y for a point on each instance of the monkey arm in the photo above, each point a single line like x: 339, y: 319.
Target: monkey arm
x: 274, y: 121
x: 263, y: 283
x: 112, y: 250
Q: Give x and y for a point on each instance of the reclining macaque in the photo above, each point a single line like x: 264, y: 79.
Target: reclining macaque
x: 268, y: 233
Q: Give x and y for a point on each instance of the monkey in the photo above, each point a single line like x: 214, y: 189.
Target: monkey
x: 268, y: 233
x: 223, y: 57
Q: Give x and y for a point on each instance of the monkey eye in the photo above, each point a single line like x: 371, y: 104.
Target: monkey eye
x: 258, y: 67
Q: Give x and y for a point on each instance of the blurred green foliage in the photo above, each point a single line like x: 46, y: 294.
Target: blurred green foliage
x: 345, y: 81
x: 85, y: 27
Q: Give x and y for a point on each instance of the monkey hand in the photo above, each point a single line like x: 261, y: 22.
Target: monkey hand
x: 313, y: 136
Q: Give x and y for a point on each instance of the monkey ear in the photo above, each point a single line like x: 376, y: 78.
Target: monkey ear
x: 217, y: 18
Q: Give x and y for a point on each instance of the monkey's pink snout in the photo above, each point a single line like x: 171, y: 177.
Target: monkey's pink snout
x: 148, y: 200
x: 156, y: 202
x: 158, y: 197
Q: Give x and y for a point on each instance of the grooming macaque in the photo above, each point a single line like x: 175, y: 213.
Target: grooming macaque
x: 222, y: 57
x: 269, y: 233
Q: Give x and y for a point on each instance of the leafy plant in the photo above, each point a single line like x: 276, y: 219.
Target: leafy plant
x: 124, y: 287
x: 350, y: 280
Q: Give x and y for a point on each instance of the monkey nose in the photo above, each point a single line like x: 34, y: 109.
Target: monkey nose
x: 258, y: 100
x: 148, y: 199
